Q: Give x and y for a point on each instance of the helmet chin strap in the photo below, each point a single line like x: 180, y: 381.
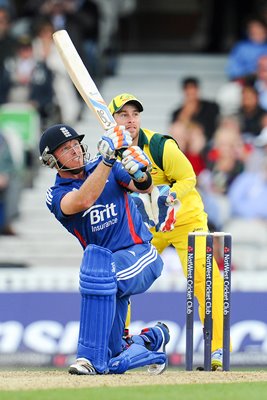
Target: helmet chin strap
x: 74, y: 171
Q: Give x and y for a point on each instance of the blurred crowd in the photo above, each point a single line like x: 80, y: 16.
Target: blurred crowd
x: 31, y: 69
x: 35, y: 90
x: 226, y: 139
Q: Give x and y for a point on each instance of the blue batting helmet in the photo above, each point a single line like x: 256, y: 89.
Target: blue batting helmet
x: 52, y: 138
x: 56, y: 135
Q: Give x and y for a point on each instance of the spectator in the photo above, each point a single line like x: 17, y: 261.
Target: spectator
x: 192, y: 142
x: 28, y: 80
x: 258, y: 153
x: 230, y: 122
x: 261, y: 81
x: 81, y: 18
x: 37, y: 76
x: 194, y: 108
x: 62, y: 14
x: 7, y: 41
x: 248, y: 194
x: 7, y: 170
x: 56, y: 107
x: 243, y: 58
x: 7, y: 49
x: 19, y: 70
x: 89, y: 17
x: 224, y: 160
x: 250, y: 113
x: 243, y: 66
x: 179, y: 132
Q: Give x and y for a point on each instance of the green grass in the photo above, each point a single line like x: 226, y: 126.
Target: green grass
x: 225, y: 391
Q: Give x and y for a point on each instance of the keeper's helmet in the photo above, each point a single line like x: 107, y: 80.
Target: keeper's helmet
x: 52, y: 138
x: 119, y: 101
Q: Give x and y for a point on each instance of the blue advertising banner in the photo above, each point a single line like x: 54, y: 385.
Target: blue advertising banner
x: 41, y: 328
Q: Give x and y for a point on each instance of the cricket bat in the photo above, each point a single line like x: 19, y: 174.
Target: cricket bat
x: 82, y: 79
x: 84, y: 82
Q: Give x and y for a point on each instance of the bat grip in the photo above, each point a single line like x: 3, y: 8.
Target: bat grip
x: 139, y: 174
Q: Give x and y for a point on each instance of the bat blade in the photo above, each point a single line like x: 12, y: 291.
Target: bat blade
x: 83, y: 82
x: 82, y: 79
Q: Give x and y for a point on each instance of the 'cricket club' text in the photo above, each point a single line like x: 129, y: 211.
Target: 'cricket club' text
x: 227, y: 284
x: 190, y: 284
x: 208, y: 294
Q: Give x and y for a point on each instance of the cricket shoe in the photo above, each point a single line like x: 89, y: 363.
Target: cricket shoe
x: 82, y: 366
x: 217, y: 360
x: 157, y: 369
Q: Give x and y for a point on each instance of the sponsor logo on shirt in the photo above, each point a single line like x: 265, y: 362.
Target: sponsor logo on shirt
x: 102, y: 216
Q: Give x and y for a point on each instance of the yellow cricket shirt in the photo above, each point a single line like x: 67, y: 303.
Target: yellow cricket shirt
x: 175, y: 170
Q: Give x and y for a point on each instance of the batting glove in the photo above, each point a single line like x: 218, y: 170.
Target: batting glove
x: 143, y: 204
x: 136, y: 162
x: 115, y: 139
x: 164, y: 208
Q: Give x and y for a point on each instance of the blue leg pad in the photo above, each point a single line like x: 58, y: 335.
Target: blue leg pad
x: 98, y: 287
x: 135, y: 356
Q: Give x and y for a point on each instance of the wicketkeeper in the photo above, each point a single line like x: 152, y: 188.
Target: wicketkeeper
x: 175, y: 181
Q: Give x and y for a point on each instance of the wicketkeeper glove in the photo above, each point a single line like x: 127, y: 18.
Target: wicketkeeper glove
x: 115, y: 139
x: 164, y: 208
x: 143, y: 203
x: 136, y: 162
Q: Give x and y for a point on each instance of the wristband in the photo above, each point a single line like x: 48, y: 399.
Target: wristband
x: 144, y: 184
x: 108, y: 163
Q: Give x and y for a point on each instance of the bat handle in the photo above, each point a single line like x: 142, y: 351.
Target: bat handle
x: 138, y: 175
